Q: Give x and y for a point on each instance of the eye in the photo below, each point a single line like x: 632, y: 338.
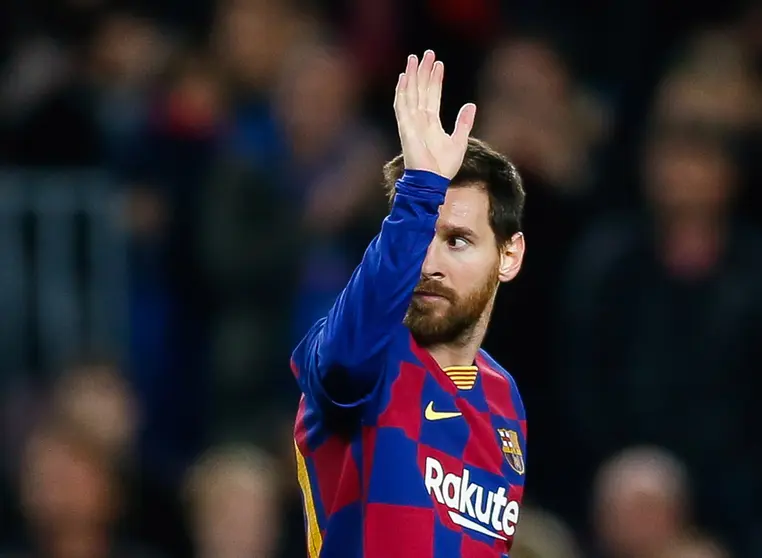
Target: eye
x: 457, y: 242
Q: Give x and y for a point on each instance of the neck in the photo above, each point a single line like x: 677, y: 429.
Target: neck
x: 463, y: 351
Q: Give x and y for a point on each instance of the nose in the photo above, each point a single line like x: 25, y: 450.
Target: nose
x: 431, y: 265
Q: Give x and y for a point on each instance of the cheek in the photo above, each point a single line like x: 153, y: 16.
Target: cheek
x: 477, y: 258
x: 470, y: 270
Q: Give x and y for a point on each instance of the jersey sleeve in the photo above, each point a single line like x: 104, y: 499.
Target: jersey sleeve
x: 341, y: 359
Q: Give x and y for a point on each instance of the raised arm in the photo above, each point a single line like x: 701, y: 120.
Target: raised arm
x: 340, y: 360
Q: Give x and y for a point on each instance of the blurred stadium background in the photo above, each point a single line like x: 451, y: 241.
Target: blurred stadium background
x: 185, y: 185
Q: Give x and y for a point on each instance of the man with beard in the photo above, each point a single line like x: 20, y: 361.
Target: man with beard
x: 409, y: 438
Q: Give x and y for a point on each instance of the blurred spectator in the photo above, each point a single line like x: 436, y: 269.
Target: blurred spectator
x: 252, y: 36
x: 35, y: 68
x: 250, y: 40
x: 335, y: 156
x: 43, y: 42
x: 534, y: 108
x: 234, y: 497
x: 95, y: 396
x: 71, y: 494
x: 643, y: 302
x: 247, y: 136
x: 642, y: 504
x: 542, y: 535
x: 696, y: 547
x: 87, y: 111
x: 317, y: 195
x: 333, y: 169
x: 253, y: 269
x: 721, y: 67
x: 170, y: 298
x: 718, y: 96
x: 127, y: 55
x: 91, y: 394
x: 249, y: 236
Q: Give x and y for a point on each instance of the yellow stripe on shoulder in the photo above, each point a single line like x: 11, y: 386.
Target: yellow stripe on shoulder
x: 314, y: 538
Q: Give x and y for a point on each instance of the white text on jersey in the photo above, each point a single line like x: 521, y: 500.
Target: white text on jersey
x: 470, y: 505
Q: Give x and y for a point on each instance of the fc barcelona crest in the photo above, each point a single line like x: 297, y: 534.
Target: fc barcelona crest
x: 512, y: 449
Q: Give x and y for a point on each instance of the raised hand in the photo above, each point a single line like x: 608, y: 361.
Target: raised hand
x: 425, y: 144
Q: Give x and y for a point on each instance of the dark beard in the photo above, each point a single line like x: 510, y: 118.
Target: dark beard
x: 430, y: 328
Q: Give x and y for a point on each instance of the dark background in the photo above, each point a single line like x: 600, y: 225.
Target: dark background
x: 185, y: 186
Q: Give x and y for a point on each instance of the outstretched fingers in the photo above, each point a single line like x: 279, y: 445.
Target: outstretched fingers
x: 401, y: 107
x: 399, y: 93
x: 417, y: 103
x: 464, y: 124
x: 434, y: 92
x: 424, y: 77
x: 411, y: 86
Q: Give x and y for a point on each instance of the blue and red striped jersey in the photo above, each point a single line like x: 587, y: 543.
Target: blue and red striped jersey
x: 396, y: 456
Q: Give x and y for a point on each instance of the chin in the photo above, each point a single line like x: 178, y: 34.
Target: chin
x: 431, y: 331
x: 428, y: 339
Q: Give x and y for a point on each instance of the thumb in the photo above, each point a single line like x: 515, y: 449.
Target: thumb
x: 464, y: 123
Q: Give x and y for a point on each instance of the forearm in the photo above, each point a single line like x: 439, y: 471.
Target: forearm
x: 345, y: 348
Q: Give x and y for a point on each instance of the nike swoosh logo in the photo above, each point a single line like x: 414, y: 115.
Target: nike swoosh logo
x: 431, y: 414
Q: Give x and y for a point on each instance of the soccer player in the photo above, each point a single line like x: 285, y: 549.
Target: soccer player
x: 410, y: 439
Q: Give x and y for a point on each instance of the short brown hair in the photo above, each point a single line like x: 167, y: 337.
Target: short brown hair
x: 484, y: 166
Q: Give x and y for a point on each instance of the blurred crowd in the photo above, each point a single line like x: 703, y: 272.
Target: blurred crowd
x: 244, y: 140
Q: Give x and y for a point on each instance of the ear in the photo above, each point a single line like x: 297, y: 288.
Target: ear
x: 511, y: 257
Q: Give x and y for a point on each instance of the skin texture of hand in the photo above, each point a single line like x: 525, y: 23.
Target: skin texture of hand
x: 425, y: 144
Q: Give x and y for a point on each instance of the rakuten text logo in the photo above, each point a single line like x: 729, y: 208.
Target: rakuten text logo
x: 470, y: 505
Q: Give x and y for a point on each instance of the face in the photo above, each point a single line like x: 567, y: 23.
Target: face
x: 689, y: 179
x: 636, y: 514
x: 98, y: 397
x: 61, y: 488
x: 325, y: 80
x: 462, y: 270
x: 252, y: 37
x: 235, y: 516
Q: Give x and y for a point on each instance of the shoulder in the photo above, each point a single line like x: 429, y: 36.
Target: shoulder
x: 490, y: 366
x: 500, y: 388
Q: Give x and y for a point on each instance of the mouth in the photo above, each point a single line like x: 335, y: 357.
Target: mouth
x: 428, y: 296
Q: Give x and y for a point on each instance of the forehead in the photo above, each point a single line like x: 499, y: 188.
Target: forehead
x: 466, y: 206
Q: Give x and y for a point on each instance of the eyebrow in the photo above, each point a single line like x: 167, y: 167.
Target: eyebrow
x: 458, y: 230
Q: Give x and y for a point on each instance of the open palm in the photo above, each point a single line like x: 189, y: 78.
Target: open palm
x: 425, y: 144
